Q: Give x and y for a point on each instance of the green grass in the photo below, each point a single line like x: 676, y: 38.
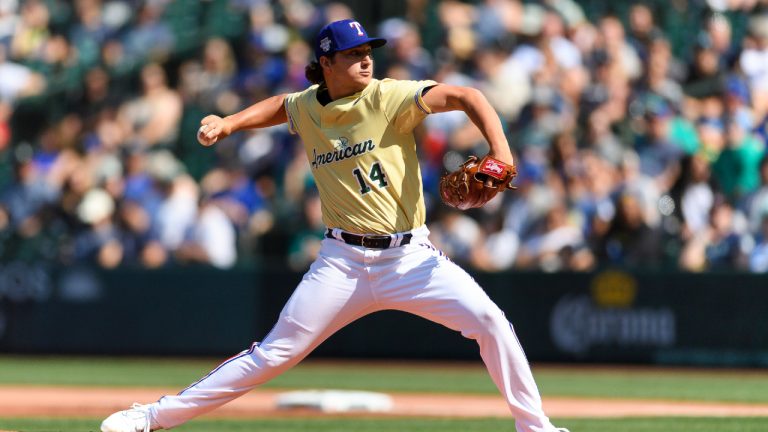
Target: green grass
x: 101, y: 371
x: 413, y: 425
x: 695, y: 385
x: 734, y: 386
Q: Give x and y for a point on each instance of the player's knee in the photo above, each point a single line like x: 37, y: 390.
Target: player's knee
x: 486, y: 323
x: 277, y: 357
x: 493, y: 320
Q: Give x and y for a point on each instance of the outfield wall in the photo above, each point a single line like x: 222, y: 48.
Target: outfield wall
x: 606, y: 316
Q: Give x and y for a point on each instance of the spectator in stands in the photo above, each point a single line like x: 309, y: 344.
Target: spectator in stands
x: 29, y: 192
x: 712, y: 135
x: 241, y: 200
x: 150, y: 37
x: 97, y: 100
x: 693, y: 195
x: 178, y: 207
x: 593, y: 198
x: 499, y: 248
x: 642, y: 29
x: 629, y: 240
x: 17, y: 81
x: 758, y: 257
x: 719, y: 33
x: 601, y: 139
x: 556, y: 245
x: 754, y: 60
x: 99, y: 240
x: 211, y: 240
x: 659, y: 156
x: 8, y: 21
x: 719, y: 245
x: 32, y: 31
x: 737, y: 166
x: 216, y: 78
x: 97, y: 22
x: 456, y: 234
x: 756, y: 204
x: 152, y: 119
x: 662, y: 74
x: 305, y: 243
x: 139, y: 248
x: 625, y: 62
x: 643, y: 188
x: 406, y: 49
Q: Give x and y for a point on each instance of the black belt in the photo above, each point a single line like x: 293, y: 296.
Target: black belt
x: 370, y: 241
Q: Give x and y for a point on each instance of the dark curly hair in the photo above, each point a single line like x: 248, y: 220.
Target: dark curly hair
x: 314, y: 73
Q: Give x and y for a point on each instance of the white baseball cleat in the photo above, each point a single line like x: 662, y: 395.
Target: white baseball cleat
x: 135, y: 419
x: 562, y: 430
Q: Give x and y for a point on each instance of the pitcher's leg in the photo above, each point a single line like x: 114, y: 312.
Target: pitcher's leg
x: 233, y: 378
x: 449, y: 296
x: 325, y: 301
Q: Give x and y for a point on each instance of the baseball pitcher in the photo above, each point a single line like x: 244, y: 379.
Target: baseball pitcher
x: 358, y: 136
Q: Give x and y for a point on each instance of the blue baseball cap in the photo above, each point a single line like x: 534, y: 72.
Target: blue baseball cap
x: 341, y: 35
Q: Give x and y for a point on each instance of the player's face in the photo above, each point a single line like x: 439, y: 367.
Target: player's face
x: 353, y: 68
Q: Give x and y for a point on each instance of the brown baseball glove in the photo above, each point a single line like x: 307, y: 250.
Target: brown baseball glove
x: 475, y: 182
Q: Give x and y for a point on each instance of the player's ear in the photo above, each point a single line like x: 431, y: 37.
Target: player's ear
x: 325, y: 61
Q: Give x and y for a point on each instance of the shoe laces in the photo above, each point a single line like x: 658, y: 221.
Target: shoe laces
x: 143, y: 411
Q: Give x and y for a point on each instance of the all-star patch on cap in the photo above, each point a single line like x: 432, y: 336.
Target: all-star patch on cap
x: 342, y: 35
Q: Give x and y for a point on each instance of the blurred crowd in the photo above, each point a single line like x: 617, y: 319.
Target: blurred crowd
x: 639, y: 131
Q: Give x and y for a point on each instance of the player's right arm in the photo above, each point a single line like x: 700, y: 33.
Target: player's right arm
x: 269, y: 112
x: 444, y: 97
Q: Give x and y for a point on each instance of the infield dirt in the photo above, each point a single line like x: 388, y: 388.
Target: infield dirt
x: 26, y: 401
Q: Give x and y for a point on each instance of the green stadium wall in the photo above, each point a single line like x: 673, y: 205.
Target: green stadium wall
x: 610, y: 315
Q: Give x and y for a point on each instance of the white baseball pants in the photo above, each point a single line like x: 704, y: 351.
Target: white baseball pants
x: 348, y: 282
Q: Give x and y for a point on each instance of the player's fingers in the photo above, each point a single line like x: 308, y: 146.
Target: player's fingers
x: 203, y: 138
x: 203, y: 131
x: 212, y: 131
x: 209, y: 119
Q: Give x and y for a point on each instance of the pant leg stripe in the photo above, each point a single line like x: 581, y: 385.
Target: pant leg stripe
x: 518, y: 342
x: 226, y: 362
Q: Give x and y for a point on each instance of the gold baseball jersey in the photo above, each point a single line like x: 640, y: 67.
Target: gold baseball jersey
x: 363, y: 154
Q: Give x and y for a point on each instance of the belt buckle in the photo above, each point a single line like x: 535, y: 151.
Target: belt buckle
x: 371, y: 242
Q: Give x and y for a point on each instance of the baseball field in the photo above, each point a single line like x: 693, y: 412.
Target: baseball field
x: 73, y: 394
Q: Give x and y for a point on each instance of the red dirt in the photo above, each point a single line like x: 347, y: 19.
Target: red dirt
x: 18, y: 401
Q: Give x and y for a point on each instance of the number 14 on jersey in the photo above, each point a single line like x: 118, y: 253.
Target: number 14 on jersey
x: 376, y: 177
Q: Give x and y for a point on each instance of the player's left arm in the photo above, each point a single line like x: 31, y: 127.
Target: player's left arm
x: 445, y: 97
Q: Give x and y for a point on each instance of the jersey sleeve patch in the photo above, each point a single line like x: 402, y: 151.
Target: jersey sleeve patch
x: 411, y: 108
x: 418, y: 97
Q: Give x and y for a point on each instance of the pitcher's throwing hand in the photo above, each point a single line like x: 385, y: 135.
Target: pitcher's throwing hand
x: 212, y: 129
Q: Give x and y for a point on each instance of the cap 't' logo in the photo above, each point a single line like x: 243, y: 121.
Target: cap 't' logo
x: 359, y: 28
x: 325, y: 44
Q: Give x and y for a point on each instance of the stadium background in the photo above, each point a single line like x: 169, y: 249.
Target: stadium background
x: 637, y: 233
